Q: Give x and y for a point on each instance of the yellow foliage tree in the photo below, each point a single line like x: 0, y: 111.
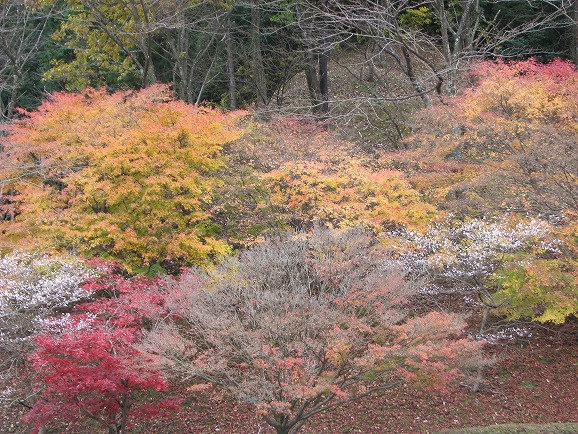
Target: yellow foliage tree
x: 292, y: 173
x: 545, y: 289
x: 128, y: 175
x: 347, y: 194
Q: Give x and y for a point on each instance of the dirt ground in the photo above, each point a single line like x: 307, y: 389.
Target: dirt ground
x: 535, y: 380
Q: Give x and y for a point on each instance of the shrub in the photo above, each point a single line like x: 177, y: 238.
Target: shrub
x: 87, y: 364
x: 300, y: 324
x: 35, y: 288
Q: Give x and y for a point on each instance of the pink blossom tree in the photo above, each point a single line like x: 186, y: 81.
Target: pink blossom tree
x: 301, y: 324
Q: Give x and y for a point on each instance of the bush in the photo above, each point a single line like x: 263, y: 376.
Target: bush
x: 36, y: 288
x: 300, y: 324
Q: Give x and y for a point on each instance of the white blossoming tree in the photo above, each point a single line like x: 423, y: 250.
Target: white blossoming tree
x: 36, y: 291
x: 466, y: 257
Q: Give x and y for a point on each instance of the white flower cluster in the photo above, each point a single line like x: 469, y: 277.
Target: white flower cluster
x: 35, y: 287
x: 505, y: 334
x: 6, y: 393
x: 65, y: 323
x: 472, y: 249
x: 471, y: 301
x: 430, y: 289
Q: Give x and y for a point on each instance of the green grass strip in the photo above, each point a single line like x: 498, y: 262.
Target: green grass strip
x: 513, y: 428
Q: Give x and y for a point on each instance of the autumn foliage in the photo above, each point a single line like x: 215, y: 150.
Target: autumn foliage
x: 507, y: 143
x: 347, y: 194
x: 481, y: 202
x: 291, y: 173
x: 546, y: 288
x: 144, y: 179
x: 301, y: 323
x: 88, y: 365
x: 127, y: 175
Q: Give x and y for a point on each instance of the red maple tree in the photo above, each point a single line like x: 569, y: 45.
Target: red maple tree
x: 91, y: 368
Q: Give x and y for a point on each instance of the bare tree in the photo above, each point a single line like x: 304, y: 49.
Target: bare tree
x: 230, y: 48
x: 196, y: 41
x: 316, y: 33
x: 37, y: 292
x: 414, y: 51
x: 22, y: 33
x: 465, y: 33
x: 573, y: 29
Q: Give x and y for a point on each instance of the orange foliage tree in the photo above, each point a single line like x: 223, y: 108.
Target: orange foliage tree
x: 509, y: 142
x: 127, y: 175
x: 293, y: 174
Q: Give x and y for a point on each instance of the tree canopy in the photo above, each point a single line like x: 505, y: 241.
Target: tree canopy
x: 128, y: 174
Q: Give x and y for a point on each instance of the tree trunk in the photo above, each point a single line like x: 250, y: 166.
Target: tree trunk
x: 149, y: 75
x: 316, y: 74
x: 421, y: 91
x: 13, y: 95
x: 182, y: 62
x: 480, y: 368
x: 313, y: 82
x: 324, y: 81
x: 259, y: 78
x: 574, y: 32
x: 229, y: 46
x: 144, y: 39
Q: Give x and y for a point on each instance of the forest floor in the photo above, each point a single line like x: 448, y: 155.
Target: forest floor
x: 535, y: 380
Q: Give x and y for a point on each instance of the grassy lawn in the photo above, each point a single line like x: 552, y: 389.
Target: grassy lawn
x: 552, y: 428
